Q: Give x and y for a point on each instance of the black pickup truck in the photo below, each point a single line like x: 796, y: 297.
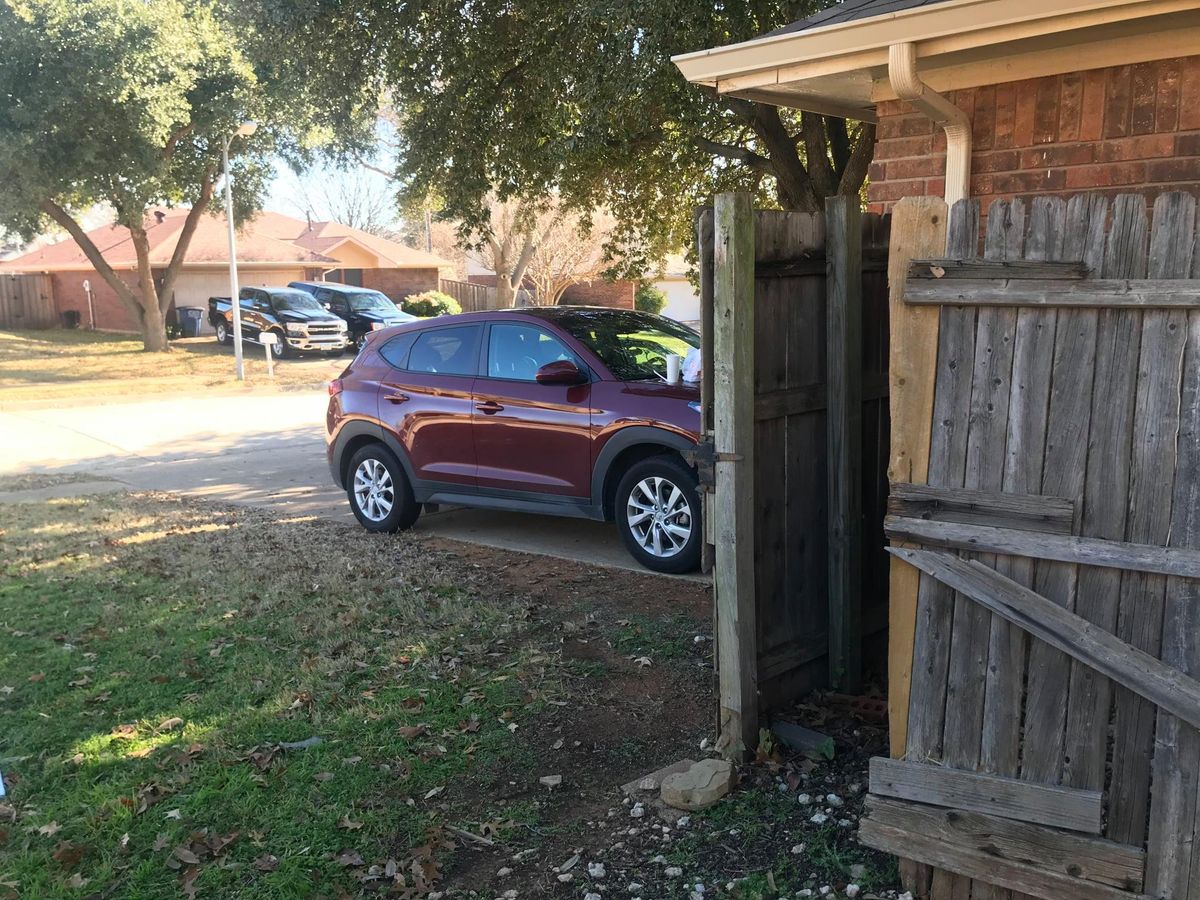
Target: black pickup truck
x: 363, y: 309
x: 297, y: 320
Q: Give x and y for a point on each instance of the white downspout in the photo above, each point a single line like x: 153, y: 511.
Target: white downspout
x: 902, y: 72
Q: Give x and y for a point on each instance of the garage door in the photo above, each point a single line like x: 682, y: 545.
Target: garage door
x: 194, y: 288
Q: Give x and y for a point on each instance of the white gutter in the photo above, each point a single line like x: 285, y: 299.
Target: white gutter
x: 902, y: 73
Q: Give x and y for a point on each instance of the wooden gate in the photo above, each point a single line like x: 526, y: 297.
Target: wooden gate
x: 1052, y: 744
x: 794, y: 311
x: 26, y: 301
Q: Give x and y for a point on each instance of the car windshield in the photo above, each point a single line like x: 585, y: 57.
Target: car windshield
x: 371, y: 301
x: 634, y: 346
x: 298, y: 301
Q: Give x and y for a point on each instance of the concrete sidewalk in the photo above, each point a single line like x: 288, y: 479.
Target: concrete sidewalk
x: 261, y: 449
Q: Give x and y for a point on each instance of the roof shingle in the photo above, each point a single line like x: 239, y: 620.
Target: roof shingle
x: 850, y: 11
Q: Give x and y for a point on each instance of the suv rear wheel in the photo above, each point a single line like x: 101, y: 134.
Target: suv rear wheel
x: 658, y: 513
x: 379, y: 492
x: 223, y: 335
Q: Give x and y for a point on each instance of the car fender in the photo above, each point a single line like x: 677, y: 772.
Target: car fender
x: 629, y: 437
x: 357, y: 428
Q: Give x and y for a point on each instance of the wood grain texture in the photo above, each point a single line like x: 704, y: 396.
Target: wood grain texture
x: 969, y: 863
x: 1133, y: 293
x: 843, y: 423
x: 1066, y: 853
x: 1044, y: 266
x: 1130, y: 667
x: 998, y: 509
x: 918, y: 228
x: 733, y: 417
x: 1009, y: 798
x: 1152, y: 558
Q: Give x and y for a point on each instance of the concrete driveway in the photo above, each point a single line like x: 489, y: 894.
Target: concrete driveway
x: 263, y: 449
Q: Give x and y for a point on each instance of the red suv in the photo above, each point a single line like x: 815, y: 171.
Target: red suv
x: 560, y: 410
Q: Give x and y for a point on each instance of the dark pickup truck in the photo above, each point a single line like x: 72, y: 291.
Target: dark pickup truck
x: 363, y: 309
x: 299, y: 323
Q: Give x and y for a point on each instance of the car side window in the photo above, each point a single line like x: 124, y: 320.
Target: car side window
x: 395, y: 351
x: 516, y: 352
x: 446, y: 351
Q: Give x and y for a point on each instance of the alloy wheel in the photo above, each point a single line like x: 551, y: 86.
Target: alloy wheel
x: 374, y: 491
x: 659, y: 516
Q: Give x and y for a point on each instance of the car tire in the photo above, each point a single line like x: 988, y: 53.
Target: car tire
x: 379, y: 493
x: 657, y: 508
x: 282, y: 350
x: 223, y: 334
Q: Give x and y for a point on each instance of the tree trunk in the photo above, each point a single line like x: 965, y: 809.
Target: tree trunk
x: 506, y: 295
x: 152, y: 312
x: 154, y: 330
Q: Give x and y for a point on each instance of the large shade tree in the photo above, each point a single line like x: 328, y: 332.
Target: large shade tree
x: 579, y: 99
x: 129, y: 104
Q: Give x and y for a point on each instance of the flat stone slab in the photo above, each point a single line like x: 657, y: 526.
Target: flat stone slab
x: 635, y: 787
x: 702, y: 785
x: 59, y: 491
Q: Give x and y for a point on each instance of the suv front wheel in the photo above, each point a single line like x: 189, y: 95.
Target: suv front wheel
x: 657, y: 510
x: 379, y: 492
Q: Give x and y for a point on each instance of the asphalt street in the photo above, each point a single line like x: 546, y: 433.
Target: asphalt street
x: 263, y: 449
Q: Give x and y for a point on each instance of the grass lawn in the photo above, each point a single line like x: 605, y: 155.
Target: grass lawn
x: 159, y: 656
x: 205, y: 701
x: 59, y: 365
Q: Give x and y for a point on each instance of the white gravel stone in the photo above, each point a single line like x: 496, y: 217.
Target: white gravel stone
x: 852, y: 890
x: 673, y: 871
x: 501, y: 873
x: 592, y: 896
x: 566, y: 877
x: 803, y: 799
x: 835, y: 801
x: 596, y: 870
x: 637, y: 812
x: 819, y: 818
x: 797, y: 849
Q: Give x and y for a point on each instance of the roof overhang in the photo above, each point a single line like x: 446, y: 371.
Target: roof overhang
x: 842, y: 69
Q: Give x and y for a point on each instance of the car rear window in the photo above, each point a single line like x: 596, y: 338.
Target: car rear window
x: 396, y: 350
x: 446, y: 351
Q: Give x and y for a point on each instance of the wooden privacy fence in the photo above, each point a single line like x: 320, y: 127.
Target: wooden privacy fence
x: 1053, y: 389
x: 470, y: 296
x: 27, y: 301
x: 794, y: 310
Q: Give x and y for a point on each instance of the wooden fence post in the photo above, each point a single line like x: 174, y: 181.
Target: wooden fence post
x: 733, y: 418
x: 918, y: 230
x: 843, y: 335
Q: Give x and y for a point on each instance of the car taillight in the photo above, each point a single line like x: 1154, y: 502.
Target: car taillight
x: 335, y: 387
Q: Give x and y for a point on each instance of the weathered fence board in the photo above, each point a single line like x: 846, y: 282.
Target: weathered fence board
x: 27, y: 301
x: 1054, y: 807
x: 1094, y: 626
x: 817, y: 284
x: 471, y: 297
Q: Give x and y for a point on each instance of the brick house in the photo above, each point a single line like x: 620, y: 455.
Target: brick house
x: 1017, y: 97
x: 272, y: 250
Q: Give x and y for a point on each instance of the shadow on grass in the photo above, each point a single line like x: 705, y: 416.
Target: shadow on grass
x: 159, y: 651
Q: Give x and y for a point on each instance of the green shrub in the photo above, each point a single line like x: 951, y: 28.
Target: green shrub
x: 431, y: 303
x: 649, y: 299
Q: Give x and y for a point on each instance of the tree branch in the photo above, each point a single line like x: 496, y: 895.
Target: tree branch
x: 176, y: 136
x: 740, y: 154
x: 859, y: 161
x: 185, y: 237
x: 92, y: 252
x: 839, y: 143
x: 816, y: 152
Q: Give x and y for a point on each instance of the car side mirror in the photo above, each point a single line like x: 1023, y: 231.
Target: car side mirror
x: 561, y: 371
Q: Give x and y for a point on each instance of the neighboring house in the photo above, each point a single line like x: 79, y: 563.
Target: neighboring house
x: 596, y: 292
x: 273, y: 249
x: 683, y: 300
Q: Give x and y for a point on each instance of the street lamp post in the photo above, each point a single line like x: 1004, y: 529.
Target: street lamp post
x: 244, y: 130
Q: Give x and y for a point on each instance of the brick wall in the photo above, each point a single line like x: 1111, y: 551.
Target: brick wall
x: 111, y: 314
x: 1113, y: 130
x: 599, y: 292
x: 399, y: 283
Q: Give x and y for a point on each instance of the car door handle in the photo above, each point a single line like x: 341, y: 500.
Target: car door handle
x: 491, y: 407
x: 397, y: 397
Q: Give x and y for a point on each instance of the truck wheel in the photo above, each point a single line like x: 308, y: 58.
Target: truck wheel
x: 379, y: 492
x: 223, y: 335
x: 658, y: 514
x: 282, y: 350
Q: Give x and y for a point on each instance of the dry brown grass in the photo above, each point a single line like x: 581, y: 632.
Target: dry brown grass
x: 48, y: 367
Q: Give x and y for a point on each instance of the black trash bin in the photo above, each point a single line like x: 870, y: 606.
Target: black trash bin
x: 70, y: 318
x: 190, y: 319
